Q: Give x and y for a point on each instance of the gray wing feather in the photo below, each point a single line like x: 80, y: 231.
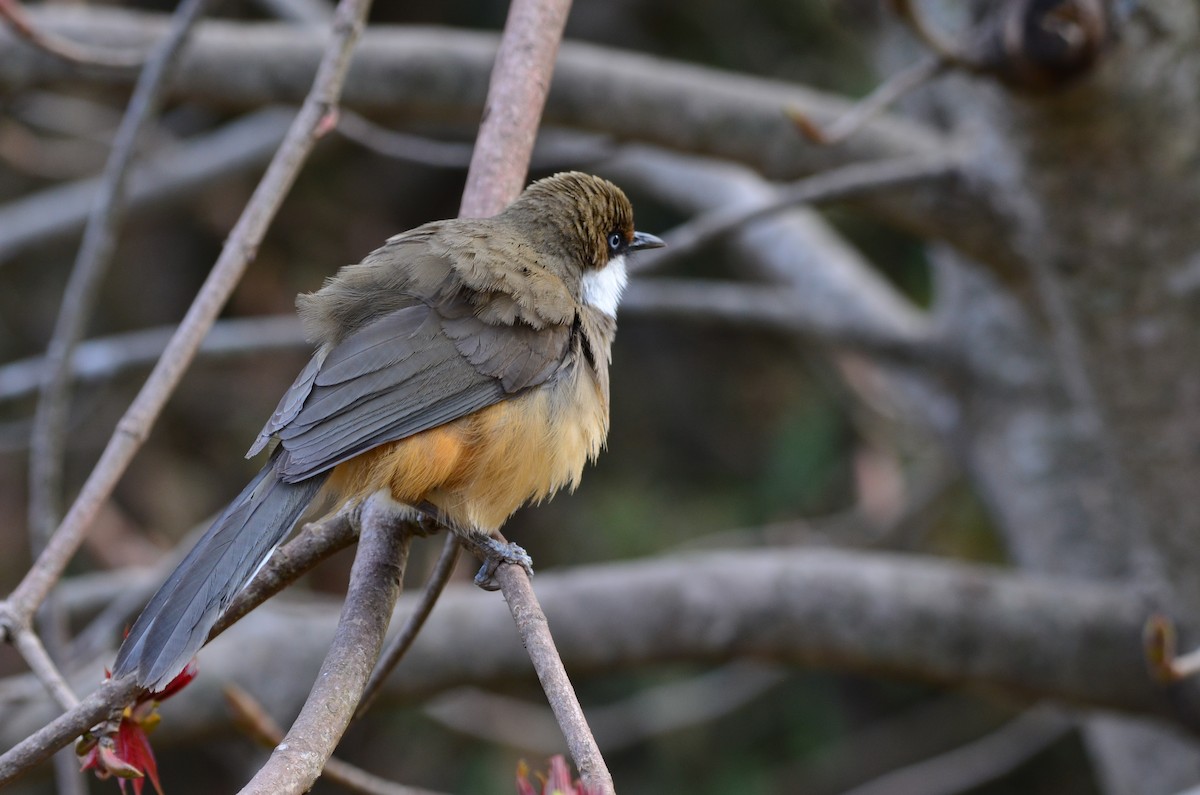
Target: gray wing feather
x: 404, y: 373
x: 290, y: 404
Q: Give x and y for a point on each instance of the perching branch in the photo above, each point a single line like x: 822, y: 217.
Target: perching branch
x: 412, y: 626
x: 535, y: 636
x: 374, y: 587
x: 516, y: 96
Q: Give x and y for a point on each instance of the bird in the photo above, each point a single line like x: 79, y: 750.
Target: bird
x: 460, y: 370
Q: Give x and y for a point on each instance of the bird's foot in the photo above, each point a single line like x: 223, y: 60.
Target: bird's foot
x: 496, y: 553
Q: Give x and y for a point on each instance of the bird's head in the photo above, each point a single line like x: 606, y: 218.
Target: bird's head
x: 589, y: 221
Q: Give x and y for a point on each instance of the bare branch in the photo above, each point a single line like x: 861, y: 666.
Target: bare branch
x: 242, y: 243
x: 107, y: 357
x: 782, y: 310
x: 977, y: 763
x: 14, y: 15
x: 404, y: 639
x: 50, y: 422
x: 437, y: 75
x: 1026, y: 636
x: 516, y: 96
x: 515, y: 99
x: 402, y: 146
x: 374, y: 587
x: 847, y: 182
x: 102, y: 704
x: 43, y: 667
x: 655, y: 711
x: 165, y: 176
x: 550, y: 151
x: 317, y: 541
x: 945, y: 50
x: 254, y: 720
x: 879, y: 100
x: 535, y: 636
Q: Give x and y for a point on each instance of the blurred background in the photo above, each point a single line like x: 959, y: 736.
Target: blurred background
x: 725, y: 435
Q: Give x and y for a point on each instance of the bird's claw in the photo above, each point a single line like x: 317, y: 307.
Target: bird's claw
x: 495, y: 554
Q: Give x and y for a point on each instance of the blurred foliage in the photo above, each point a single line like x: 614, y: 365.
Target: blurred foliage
x: 712, y: 429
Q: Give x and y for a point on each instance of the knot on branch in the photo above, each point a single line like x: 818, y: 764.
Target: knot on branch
x: 1035, y: 45
x: 1042, y: 44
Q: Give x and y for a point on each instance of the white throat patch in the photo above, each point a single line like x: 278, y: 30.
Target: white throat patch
x: 602, y: 289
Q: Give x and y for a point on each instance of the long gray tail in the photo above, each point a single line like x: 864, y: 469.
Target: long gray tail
x: 176, y: 622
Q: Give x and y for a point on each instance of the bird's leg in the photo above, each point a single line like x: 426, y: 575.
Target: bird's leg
x: 493, y: 551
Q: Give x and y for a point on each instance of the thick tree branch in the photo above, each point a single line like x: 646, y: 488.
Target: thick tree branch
x: 1030, y: 637
x: 401, y: 643
x: 438, y: 75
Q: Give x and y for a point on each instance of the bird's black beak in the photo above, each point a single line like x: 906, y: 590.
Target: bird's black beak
x: 643, y: 240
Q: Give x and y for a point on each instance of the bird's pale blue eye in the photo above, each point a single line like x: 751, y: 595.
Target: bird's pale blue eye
x: 615, y: 240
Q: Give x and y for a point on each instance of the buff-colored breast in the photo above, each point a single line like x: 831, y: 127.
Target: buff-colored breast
x: 480, y: 468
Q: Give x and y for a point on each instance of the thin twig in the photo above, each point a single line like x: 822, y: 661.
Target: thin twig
x: 315, y: 542
x: 535, y: 635
x: 241, y: 245
x: 631, y: 722
x: 91, y: 265
x: 103, y: 358
x: 169, y: 175
x: 100, y: 705
x: 969, y: 767
x: 43, y: 667
x: 552, y: 149
x: 870, y: 106
x: 252, y: 718
x: 50, y: 422
x: 943, y: 48
x: 781, y: 310
x: 374, y: 587
x: 400, y: 644
x: 852, y: 181
x: 403, y: 146
x: 71, y: 52
x: 513, y: 111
